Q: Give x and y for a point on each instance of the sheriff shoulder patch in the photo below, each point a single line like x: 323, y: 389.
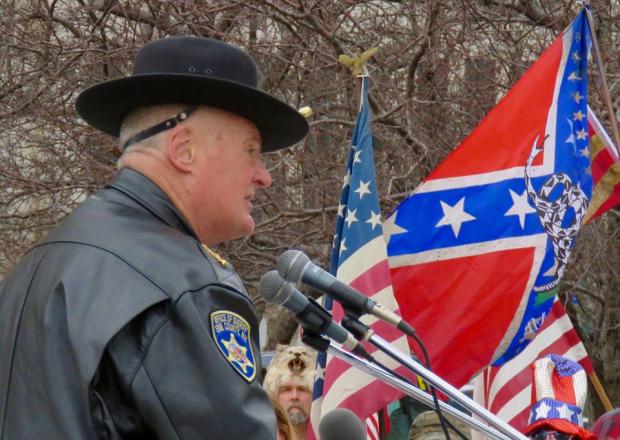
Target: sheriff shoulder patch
x: 232, y: 335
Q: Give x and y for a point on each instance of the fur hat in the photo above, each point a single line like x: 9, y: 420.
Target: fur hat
x: 559, y: 391
x: 291, y: 364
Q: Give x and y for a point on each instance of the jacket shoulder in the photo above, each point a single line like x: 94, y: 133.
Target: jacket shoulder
x: 172, y: 261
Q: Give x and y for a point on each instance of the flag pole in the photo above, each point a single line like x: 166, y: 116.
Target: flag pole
x: 602, y: 395
x: 601, y: 70
x: 614, y: 129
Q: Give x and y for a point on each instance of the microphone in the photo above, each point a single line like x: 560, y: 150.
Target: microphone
x: 310, y: 313
x: 295, y: 266
x: 341, y: 423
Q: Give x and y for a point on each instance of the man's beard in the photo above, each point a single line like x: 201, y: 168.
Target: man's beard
x: 297, y: 417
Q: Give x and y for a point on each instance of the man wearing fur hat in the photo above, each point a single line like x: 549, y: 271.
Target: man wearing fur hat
x: 122, y: 322
x: 289, y: 381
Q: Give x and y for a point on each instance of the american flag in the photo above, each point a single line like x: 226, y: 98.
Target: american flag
x: 507, y: 391
x: 477, y: 250
x: 359, y: 258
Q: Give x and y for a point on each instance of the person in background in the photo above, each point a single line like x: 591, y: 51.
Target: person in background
x: 286, y: 431
x: 607, y: 427
x: 289, y: 380
x: 559, y: 392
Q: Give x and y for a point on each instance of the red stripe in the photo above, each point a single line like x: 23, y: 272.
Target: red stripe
x: 600, y: 164
x: 520, y: 421
x: 372, y: 397
x: 374, y: 279
x: 372, y: 422
x: 369, y: 283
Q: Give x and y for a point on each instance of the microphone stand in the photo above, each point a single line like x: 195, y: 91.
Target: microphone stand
x: 412, y: 391
x: 361, y: 331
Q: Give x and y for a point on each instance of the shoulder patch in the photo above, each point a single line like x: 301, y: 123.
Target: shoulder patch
x: 232, y: 335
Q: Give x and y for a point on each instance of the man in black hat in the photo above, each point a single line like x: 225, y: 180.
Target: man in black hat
x: 122, y: 322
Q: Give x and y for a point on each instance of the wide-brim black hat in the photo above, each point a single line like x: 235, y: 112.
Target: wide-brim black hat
x: 193, y: 71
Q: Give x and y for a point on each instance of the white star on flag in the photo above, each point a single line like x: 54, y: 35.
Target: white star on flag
x: 320, y: 372
x: 391, y: 228
x: 578, y: 116
x: 577, y: 96
x: 584, y: 152
x: 520, y: 207
x: 363, y: 189
x: 454, y: 216
x: 573, y: 77
x: 582, y: 134
x: 347, y: 179
x: 341, y: 210
x: 374, y: 220
x: 343, y: 246
x: 351, y: 218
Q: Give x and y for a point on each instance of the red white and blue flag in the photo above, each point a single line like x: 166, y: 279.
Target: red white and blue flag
x: 359, y: 258
x: 506, y: 391
x: 477, y: 251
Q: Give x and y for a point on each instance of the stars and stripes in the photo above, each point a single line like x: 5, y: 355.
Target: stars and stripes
x: 359, y: 258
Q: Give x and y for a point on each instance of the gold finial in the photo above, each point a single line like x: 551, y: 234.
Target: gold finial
x: 215, y: 255
x: 357, y: 65
x: 306, y: 112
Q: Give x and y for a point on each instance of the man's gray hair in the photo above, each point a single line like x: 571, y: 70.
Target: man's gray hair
x: 144, y: 118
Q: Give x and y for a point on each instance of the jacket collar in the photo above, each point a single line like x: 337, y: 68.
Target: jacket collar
x: 145, y: 192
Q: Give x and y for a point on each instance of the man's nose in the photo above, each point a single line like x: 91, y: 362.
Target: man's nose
x: 263, y: 178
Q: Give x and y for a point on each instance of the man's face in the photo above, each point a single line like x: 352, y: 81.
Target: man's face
x: 229, y: 171
x: 296, y: 400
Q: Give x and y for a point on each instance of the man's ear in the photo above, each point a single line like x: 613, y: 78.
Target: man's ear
x: 180, y: 150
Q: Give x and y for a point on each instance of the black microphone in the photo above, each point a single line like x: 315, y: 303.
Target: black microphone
x: 311, y: 314
x: 295, y: 266
x: 341, y: 423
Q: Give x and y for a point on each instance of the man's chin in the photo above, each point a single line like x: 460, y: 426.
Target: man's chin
x: 297, y: 415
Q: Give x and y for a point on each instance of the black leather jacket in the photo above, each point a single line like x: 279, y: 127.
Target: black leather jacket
x: 121, y: 325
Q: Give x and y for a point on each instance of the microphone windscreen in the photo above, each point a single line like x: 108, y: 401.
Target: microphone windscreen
x: 341, y: 423
x: 291, y: 264
x: 272, y: 286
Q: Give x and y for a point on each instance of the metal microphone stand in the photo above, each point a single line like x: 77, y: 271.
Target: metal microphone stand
x: 361, y: 331
x: 407, y: 388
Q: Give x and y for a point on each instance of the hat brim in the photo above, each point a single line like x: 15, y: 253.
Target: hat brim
x: 104, y: 105
x: 560, y: 425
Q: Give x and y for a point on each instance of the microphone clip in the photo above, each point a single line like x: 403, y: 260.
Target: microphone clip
x: 359, y: 330
x: 314, y: 340
x: 314, y: 317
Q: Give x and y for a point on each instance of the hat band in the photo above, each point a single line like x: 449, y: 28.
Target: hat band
x: 162, y: 126
x: 548, y: 408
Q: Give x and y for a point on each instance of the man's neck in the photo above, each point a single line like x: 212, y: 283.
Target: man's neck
x: 301, y: 431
